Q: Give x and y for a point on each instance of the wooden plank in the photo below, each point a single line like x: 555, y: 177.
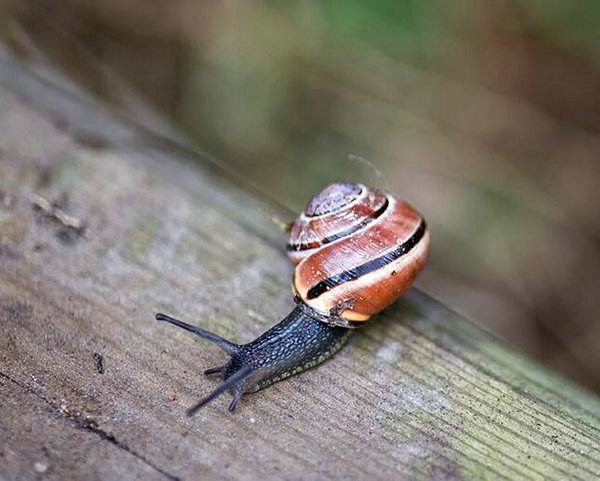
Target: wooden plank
x: 419, y: 394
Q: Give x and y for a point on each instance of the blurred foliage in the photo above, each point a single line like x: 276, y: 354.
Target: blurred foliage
x: 571, y: 24
x: 485, y: 115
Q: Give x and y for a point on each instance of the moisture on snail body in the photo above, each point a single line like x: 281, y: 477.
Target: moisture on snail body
x: 357, y: 250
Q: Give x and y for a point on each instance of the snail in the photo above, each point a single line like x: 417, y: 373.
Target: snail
x: 357, y: 249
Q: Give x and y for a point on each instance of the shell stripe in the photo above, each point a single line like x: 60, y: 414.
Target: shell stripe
x: 339, y: 235
x: 370, y: 266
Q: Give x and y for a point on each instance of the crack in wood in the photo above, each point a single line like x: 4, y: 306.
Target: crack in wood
x: 87, y: 424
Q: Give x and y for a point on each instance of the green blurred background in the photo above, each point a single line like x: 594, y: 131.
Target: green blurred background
x: 485, y: 115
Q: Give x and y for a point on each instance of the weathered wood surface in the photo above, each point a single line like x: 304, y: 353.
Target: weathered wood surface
x: 419, y: 394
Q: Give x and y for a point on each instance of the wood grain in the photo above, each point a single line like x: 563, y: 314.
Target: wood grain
x: 420, y: 393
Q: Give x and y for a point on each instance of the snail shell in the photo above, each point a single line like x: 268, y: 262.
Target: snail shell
x: 358, y: 249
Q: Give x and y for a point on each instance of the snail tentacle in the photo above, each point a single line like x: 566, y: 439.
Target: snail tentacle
x: 231, y: 382
x: 223, y: 343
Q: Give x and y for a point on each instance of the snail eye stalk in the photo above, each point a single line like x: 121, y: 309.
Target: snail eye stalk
x: 228, y: 346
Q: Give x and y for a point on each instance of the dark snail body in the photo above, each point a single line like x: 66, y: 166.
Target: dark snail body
x: 300, y: 341
x: 297, y: 343
x: 357, y: 250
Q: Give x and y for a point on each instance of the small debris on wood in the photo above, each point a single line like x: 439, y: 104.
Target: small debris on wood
x: 88, y: 422
x: 99, y: 360
x: 83, y: 420
x: 65, y: 409
x: 40, y: 467
x: 38, y: 246
x: 53, y: 211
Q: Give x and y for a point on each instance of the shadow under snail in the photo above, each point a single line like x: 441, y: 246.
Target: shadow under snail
x: 357, y: 250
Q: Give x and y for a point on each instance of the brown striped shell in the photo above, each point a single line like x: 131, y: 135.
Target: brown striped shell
x: 358, y: 249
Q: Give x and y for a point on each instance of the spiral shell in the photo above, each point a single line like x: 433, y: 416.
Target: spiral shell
x: 358, y: 249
